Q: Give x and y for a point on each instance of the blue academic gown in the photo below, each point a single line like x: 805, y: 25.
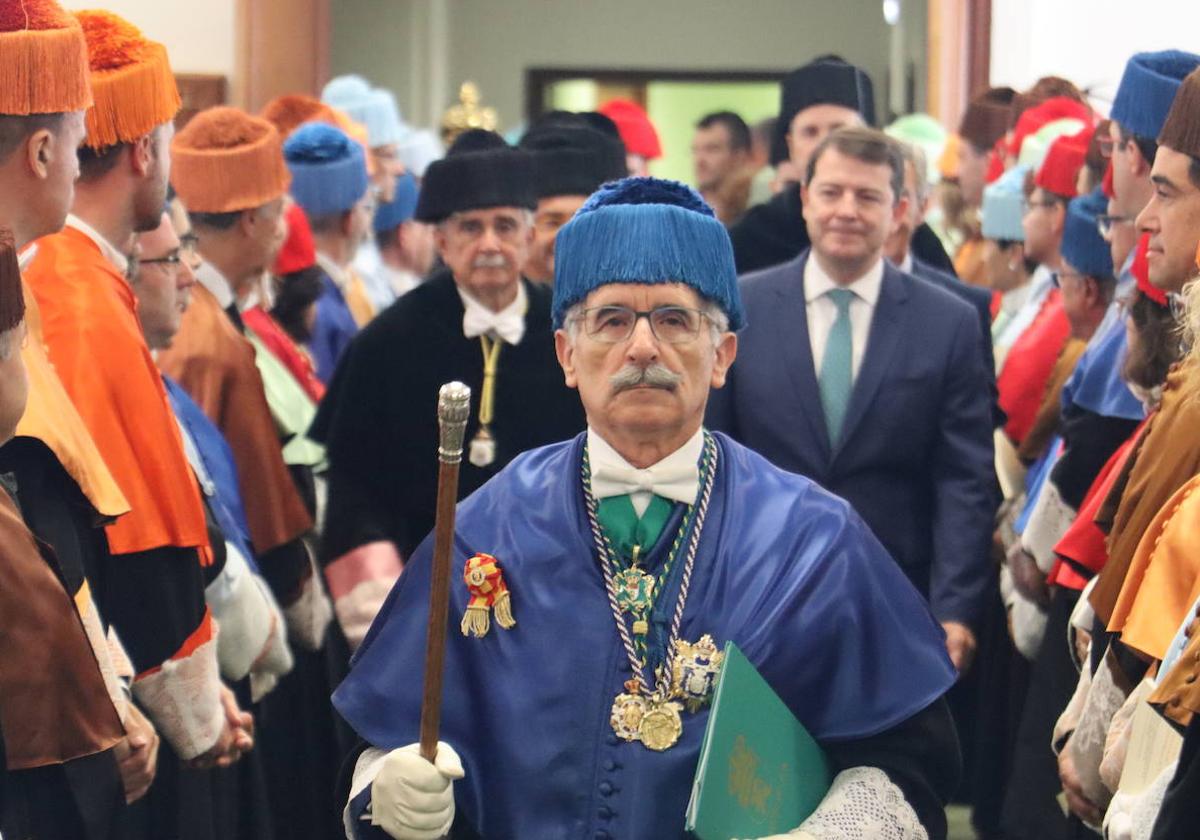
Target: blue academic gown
x: 784, y: 569
x: 915, y: 454
x: 221, y: 487
x: 333, y: 330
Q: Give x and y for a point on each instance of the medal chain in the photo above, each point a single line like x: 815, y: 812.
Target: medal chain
x: 605, y: 550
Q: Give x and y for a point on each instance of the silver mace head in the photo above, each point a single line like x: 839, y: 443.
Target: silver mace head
x: 454, y: 406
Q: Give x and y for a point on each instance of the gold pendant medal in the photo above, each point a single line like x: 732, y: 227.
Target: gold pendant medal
x: 661, y: 726
x: 628, y: 711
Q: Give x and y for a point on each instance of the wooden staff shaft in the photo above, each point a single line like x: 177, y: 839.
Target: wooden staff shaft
x: 453, y: 406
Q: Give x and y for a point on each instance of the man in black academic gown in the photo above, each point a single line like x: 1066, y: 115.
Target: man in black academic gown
x: 477, y: 321
x: 823, y: 95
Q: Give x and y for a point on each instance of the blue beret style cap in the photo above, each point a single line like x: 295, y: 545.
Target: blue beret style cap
x: 1004, y: 205
x: 391, y: 214
x: 1082, y: 246
x: 645, y: 230
x: 329, y: 170
x: 1147, y: 89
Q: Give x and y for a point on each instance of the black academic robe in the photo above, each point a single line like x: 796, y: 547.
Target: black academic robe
x: 378, y: 420
x: 82, y: 798
x: 775, y: 232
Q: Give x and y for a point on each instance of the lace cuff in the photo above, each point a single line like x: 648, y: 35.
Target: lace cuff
x: 863, y: 802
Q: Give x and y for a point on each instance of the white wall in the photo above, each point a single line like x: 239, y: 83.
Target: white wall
x: 1086, y: 41
x: 493, y: 42
x: 200, y: 37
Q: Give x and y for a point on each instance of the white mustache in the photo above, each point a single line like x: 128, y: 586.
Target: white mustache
x: 490, y: 261
x: 655, y: 376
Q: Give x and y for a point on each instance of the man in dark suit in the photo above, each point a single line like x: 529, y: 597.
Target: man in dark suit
x: 898, y: 248
x: 872, y: 383
x: 826, y: 94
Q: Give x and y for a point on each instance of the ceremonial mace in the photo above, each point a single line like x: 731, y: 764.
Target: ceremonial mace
x: 454, y: 404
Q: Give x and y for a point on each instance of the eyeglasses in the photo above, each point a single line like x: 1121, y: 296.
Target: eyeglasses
x: 614, y: 324
x: 1105, y: 223
x: 1105, y: 144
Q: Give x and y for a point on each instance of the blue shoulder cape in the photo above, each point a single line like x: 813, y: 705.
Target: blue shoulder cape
x: 786, y: 570
x: 225, y: 500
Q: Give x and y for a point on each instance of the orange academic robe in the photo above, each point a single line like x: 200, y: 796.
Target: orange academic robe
x: 215, y: 364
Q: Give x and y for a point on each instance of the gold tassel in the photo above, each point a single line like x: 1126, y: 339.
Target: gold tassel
x: 504, y: 616
x: 475, y: 622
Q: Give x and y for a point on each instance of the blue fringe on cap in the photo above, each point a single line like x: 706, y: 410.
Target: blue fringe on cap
x: 391, y: 214
x: 1147, y: 89
x: 1004, y: 205
x: 373, y: 107
x: 645, y: 230
x: 1082, y: 246
x: 329, y: 170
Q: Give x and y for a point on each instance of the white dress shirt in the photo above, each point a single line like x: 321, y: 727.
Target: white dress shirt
x: 114, y: 255
x: 676, y: 477
x: 1040, y: 285
x: 508, y: 324
x: 822, y: 311
x: 213, y: 280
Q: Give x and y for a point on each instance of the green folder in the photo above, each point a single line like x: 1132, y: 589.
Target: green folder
x: 760, y: 772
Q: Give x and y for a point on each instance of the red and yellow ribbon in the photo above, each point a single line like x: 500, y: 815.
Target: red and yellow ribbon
x: 485, y: 583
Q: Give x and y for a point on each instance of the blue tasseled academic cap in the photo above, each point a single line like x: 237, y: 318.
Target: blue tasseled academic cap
x: 329, y: 170
x: 645, y: 230
x: 1082, y: 246
x: 1147, y: 89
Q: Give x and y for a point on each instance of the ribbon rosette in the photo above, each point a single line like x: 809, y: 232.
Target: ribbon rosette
x: 485, y: 583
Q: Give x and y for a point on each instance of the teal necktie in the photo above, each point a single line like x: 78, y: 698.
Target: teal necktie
x: 837, y: 368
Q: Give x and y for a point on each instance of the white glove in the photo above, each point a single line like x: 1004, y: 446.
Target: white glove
x: 412, y: 799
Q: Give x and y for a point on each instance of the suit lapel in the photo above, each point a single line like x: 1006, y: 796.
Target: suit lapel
x: 791, y: 324
x: 882, y: 339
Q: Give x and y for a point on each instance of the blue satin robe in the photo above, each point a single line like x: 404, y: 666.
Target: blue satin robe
x: 786, y: 570
x: 333, y: 330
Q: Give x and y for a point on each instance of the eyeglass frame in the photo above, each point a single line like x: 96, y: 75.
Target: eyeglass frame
x: 648, y: 315
x: 1105, y: 222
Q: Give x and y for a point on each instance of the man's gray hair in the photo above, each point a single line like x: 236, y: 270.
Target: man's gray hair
x: 914, y: 156
x: 718, y: 321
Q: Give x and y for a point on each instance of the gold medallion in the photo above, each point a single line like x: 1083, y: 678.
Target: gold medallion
x: 628, y: 712
x: 661, y: 726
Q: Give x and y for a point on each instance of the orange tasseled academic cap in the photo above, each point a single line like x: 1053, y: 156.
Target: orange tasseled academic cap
x: 132, y: 84
x: 225, y: 160
x: 43, y: 60
x: 292, y: 110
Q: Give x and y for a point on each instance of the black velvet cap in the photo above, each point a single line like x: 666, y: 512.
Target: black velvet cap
x: 572, y: 159
x: 479, y: 170
x: 827, y: 80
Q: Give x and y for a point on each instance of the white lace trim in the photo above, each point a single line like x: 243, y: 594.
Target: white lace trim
x: 309, y: 617
x: 1028, y: 625
x: 356, y: 610
x: 1049, y: 520
x: 864, y: 803
x: 241, y: 612
x: 183, y: 699
x: 1132, y: 816
x: 365, y: 771
x: 1091, y: 733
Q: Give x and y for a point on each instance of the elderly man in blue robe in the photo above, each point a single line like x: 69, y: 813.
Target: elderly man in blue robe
x: 592, y: 562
